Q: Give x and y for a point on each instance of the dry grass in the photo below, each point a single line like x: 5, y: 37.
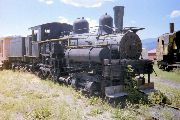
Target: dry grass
x: 25, y: 96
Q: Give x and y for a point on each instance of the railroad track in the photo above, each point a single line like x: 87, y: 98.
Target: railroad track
x: 162, y: 106
x: 176, y: 108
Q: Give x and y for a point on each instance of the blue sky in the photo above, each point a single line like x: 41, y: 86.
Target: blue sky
x: 16, y: 16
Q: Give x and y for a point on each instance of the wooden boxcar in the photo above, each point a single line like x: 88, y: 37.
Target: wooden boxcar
x: 4, y: 50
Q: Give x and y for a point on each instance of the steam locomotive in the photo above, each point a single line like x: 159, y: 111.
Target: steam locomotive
x: 93, y: 62
x: 168, y: 50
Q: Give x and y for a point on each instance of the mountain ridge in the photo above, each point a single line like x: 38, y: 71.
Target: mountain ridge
x: 149, y: 43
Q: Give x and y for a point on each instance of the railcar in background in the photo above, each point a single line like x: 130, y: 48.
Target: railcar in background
x: 168, y: 50
x: 4, y: 52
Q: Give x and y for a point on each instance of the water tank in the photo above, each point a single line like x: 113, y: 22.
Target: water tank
x: 80, y: 26
x: 106, y: 24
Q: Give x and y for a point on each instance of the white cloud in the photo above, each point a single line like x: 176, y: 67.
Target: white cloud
x: 92, y: 22
x: 64, y: 20
x: 175, y: 13
x: 85, y: 3
x: 92, y: 25
x: 48, y: 2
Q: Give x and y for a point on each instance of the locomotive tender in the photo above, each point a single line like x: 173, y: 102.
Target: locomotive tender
x: 93, y: 62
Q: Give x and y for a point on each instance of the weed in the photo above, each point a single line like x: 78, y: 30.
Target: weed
x: 7, y: 106
x: 5, y: 116
x: 78, y: 95
x: 94, y: 100
x: 158, y: 97
x: 34, y: 95
x: 134, y: 96
x: 177, y: 71
x: 55, y: 95
x: 95, y: 112
x: 40, y: 113
x: 124, y: 114
x: 68, y: 113
x: 172, y: 94
x: 168, y: 115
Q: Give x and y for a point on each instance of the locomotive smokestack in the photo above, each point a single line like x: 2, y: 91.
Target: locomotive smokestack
x: 118, y: 17
x: 171, y: 27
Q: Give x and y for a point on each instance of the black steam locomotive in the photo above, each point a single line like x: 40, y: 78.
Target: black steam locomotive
x: 93, y: 62
x: 168, y: 50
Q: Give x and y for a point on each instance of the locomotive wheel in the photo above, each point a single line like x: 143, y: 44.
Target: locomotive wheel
x: 93, y: 88
x: 159, y: 66
x: 50, y: 77
x: 56, y: 79
x: 40, y: 74
x: 168, y: 68
x: 74, y: 83
x: 13, y: 67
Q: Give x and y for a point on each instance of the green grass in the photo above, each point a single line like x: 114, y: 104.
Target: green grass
x: 172, y: 75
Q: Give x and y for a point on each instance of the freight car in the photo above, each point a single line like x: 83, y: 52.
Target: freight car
x: 4, y: 52
x: 93, y: 62
x: 168, y: 50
